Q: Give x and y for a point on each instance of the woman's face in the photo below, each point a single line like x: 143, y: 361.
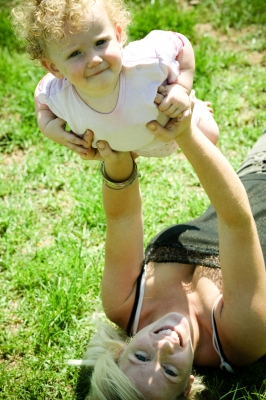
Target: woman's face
x: 159, y: 358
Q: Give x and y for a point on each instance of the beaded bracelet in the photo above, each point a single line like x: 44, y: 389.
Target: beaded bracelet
x: 118, y: 185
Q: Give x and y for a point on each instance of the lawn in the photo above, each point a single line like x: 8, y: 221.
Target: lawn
x: 52, y: 226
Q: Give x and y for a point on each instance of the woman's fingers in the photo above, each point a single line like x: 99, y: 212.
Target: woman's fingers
x: 159, y: 98
x: 91, y: 153
x: 162, y: 90
x: 102, y: 152
x: 77, y: 148
x: 164, y: 134
x: 172, y: 129
x: 70, y: 137
x: 107, y: 153
x: 88, y: 137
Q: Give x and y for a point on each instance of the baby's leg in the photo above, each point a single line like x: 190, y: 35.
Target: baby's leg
x: 202, y: 116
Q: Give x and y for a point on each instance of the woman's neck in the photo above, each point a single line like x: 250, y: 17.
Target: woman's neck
x: 157, y: 299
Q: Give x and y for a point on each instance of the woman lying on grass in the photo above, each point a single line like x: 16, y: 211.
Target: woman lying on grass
x: 198, y: 296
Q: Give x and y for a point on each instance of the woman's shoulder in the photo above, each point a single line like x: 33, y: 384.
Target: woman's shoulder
x: 241, y: 329
x: 121, y: 315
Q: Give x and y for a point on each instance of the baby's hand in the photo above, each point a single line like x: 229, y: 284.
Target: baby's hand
x: 173, y: 101
x: 55, y: 130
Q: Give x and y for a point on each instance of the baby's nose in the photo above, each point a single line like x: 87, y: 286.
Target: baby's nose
x: 93, y: 60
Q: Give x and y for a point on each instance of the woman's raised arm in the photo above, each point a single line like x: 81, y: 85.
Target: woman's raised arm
x: 124, y: 235
x: 242, y: 318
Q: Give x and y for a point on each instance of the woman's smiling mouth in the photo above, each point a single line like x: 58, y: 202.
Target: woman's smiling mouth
x: 170, y: 333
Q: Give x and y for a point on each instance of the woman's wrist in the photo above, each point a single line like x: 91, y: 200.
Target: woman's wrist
x: 120, y: 174
x: 118, y: 184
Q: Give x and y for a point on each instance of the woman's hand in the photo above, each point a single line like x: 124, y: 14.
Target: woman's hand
x: 118, y: 165
x: 103, y: 152
x: 172, y: 130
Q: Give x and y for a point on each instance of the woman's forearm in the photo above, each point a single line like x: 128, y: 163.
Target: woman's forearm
x: 118, y: 203
x: 124, y: 238
x: 217, y: 177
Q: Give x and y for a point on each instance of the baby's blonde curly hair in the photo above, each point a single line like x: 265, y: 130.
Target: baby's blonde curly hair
x: 42, y: 21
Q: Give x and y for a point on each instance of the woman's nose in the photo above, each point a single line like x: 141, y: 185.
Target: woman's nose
x: 164, y: 346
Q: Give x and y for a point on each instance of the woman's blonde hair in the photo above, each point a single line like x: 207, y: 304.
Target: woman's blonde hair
x: 106, y: 380
x: 42, y: 21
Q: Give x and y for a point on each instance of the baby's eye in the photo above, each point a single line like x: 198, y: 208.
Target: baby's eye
x: 169, y: 371
x: 142, y: 357
x: 100, y: 42
x: 74, y: 54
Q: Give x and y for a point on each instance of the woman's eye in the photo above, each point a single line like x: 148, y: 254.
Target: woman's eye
x: 169, y: 371
x: 142, y: 357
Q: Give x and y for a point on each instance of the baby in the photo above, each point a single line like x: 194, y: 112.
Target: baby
x: 93, y: 82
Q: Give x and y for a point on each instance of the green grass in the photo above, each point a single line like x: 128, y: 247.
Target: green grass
x: 52, y: 225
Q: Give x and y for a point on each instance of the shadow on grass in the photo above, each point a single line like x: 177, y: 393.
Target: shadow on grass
x: 83, y: 383
x: 245, y: 383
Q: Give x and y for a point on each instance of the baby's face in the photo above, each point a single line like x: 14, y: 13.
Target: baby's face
x: 90, y: 58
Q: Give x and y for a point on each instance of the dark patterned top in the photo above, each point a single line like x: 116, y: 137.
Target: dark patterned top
x: 196, y: 242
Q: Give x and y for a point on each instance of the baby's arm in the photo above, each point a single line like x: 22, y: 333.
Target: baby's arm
x: 202, y: 115
x: 54, y: 128
x: 175, y: 100
x: 186, y: 62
